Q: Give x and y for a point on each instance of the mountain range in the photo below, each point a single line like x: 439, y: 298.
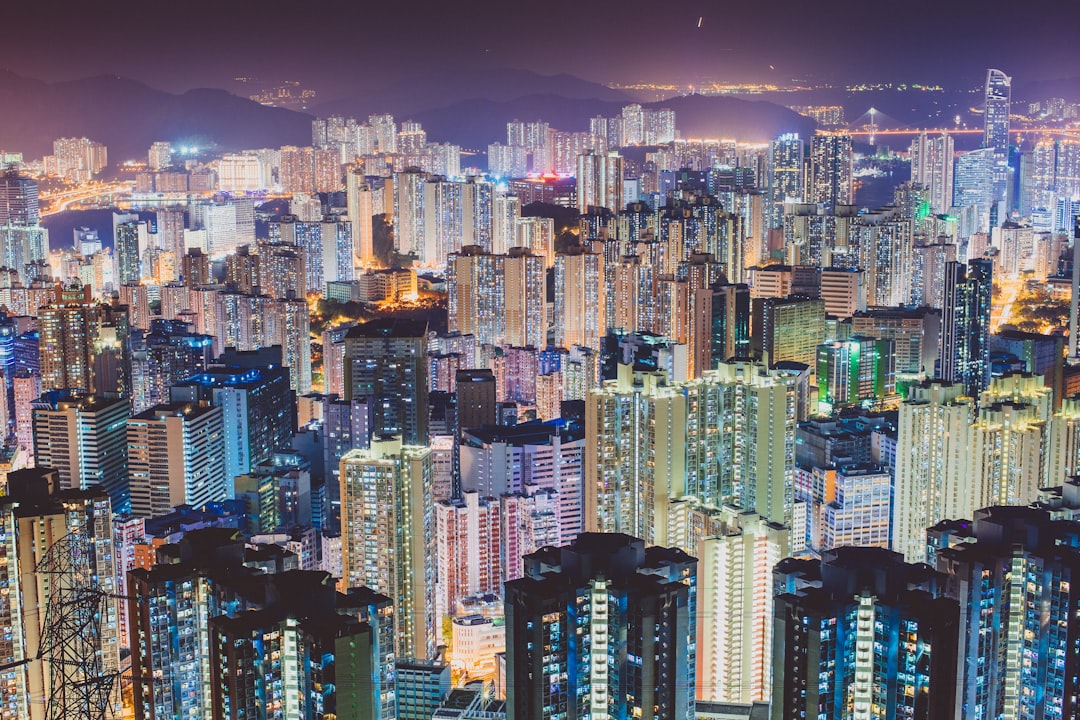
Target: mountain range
x: 470, y: 109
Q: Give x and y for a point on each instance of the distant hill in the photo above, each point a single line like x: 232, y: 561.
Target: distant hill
x: 467, y: 108
x: 475, y: 123
x: 128, y: 116
x: 442, y: 88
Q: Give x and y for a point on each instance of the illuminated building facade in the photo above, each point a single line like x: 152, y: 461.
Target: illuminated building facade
x: 498, y: 298
x: 580, y: 312
x: 861, y: 633
x: 1013, y: 572
x: 636, y: 605
x: 35, y: 515
x: 832, y: 180
x: 725, y: 438
x: 855, y: 371
x: 84, y: 439
x: 69, y: 329
x: 965, y: 325
x: 176, y: 456
x: 388, y: 536
x: 933, y: 463
x: 386, y: 363
x: 221, y: 638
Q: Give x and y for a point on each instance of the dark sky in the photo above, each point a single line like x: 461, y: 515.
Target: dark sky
x: 334, y: 44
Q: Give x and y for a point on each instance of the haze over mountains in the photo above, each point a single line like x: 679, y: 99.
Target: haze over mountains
x: 470, y: 109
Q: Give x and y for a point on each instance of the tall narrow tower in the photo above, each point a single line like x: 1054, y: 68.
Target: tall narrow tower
x: 1074, y: 306
x: 998, y: 98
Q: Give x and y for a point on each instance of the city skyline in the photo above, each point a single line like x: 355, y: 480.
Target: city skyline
x: 408, y: 379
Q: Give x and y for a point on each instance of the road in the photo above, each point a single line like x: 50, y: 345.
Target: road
x: 52, y: 203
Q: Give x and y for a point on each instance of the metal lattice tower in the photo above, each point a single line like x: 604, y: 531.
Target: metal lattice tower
x: 71, y: 634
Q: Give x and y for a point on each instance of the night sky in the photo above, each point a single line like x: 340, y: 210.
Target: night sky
x: 340, y: 44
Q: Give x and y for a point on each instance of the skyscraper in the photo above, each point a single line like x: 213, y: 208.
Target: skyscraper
x: 84, y: 438
x: 361, y: 210
x: 176, y: 456
x: 998, y: 97
x: 857, y: 370
x: 258, y: 411
x: 933, y: 463
x: 69, y: 330
x: 728, y: 333
x: 832, y: 181
x: 498, y: 298
x: 386, y: 363
x: 526, y: 459
x: 580, y: 312
x: 387, y: 541
x: 213, y: 635
x: 1014, y: 573
x: 468, y: 543
x: 70, y: 531
x: 600, y: 181
x: 727, y: 437
x: 965, y: 325
x: 932, y: 167
x: 636, y: 606
x: 18, y: 199
x: 736, y: 551
x: 862, y: 634
x: 128, y: 253
x: 788, y: 329
x: 787, y: 174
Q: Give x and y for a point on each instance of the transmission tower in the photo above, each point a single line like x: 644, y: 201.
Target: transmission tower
x: 79, y: 687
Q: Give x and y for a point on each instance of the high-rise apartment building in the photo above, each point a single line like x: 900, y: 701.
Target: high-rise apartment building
x: 69, y: 331
x: 257, y: 406
x: 84, y: 439
x: 18, y: 199
x: 965, y: 325
x: 863, y: 634
x: 361, y: 210
x: 213, y: 635
x: 388, y: 536
x: 736, y: 550
x: 787, y: 174
x: 883, y: 240
x: 600, y: 181
x: 832, y: 181
x: 933, y: 464
x: 727, y: 437
x: 636, y: 606
x: 468, y: 542
x: 497, y: 298
x: 522, y: 460
x: 1013, y: 573
x: 58, y: 547
x: 725, y: 312
x: 386, y: 363
x: 580, y: 312
x: 932, y: 167
x: 176, y: 456
x: 1010, y: 441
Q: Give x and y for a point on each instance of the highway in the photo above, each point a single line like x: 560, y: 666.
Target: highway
x: 52, y: 203
x: 1064, y: 132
